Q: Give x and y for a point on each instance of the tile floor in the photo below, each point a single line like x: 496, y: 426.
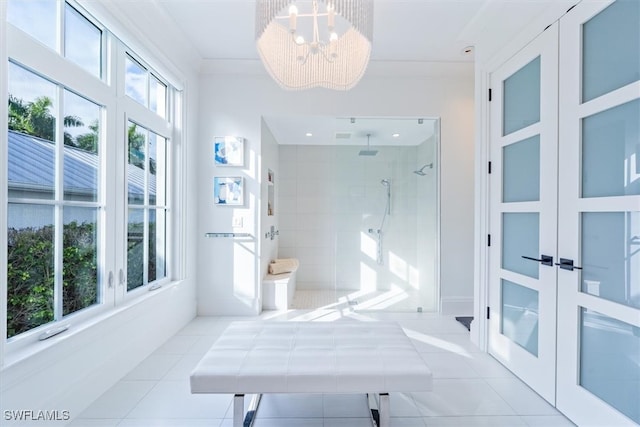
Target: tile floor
x: 470, y: 388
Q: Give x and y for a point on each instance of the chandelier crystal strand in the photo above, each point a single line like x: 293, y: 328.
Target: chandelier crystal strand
x: 337, y: 62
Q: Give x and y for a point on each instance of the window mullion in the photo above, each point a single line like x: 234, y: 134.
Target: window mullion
x: 147, y: 216
x: 145, y: 248
x: 59, y: 208
x: 60, y: 6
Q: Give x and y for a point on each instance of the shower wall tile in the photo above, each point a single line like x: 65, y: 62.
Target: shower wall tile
x: 315, y: 170
x: 317, y: 187
x: 349, y: 173
x: 288, y: 221
x: 337, y: 196
x: 316, y: 153
x: 287, y: 204
x: 323, y: 256
x: 315, y: 238
x: 310, y: 203
x: 316, y: 273
x: 288, y: 187
x: 287, y: 238
x: 316, y: 221
x: 287, y: 170
x: 349, y: 221
x: 287, y: 251
x: 288, y: 154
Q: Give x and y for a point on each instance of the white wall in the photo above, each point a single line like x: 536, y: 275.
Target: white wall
x: 270, y: 162
x: 233, y: 102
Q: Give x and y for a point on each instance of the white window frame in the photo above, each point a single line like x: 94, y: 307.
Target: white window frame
x: 117, y: 110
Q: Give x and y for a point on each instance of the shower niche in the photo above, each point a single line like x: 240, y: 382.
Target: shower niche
x: 358, y: 207
x: 271, y: 193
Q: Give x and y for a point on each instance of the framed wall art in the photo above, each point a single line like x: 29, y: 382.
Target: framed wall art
x: 228, y: 190
x: 228, y: 151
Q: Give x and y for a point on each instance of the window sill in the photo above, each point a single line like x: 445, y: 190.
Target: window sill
x: 29, y: 346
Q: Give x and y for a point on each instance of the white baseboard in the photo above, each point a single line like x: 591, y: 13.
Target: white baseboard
x: 456, y: 306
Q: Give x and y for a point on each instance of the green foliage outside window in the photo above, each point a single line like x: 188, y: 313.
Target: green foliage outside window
x: 30, y: 274
x: 35, y: 119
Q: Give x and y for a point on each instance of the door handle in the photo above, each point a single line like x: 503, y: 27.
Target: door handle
x: 567, y: 264
x: 544, y: 259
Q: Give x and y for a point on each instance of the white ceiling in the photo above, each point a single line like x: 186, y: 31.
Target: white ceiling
x: 405, y: 30
x: 427, y: 32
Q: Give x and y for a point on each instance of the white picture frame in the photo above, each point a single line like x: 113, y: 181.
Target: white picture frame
x: 228, y: 151
x: 228, y: 190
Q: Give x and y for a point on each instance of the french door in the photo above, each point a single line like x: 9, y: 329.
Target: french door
x: 599, y: 214
x: 524, y: 213
x: 568, y: 322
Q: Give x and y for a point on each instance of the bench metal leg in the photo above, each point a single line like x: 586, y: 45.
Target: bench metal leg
x: 238, y: 410
x: 239, y: 419
x: 384, y: 409
x: 379, y: 409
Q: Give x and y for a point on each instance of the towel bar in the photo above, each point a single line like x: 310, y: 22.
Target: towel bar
x: 227, y: 235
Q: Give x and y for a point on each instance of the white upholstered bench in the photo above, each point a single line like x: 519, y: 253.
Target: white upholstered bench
x: 311, y: 357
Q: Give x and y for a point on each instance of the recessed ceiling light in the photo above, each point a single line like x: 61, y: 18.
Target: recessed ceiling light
x: 467, y: 50
x: 395, y: 135
x: 308, y: 134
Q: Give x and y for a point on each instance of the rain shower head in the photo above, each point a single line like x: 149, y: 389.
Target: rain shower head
x: 368, y: 151
x: 421, y: 170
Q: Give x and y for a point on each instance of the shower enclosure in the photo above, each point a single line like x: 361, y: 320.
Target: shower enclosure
x: 361, y: 215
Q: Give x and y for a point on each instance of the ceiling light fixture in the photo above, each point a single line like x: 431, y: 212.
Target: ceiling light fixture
x: 396, y: 135
x: 318, y: 43
x: 308, y: 134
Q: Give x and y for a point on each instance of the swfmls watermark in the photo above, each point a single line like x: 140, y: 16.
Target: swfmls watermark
x: 36, y: 415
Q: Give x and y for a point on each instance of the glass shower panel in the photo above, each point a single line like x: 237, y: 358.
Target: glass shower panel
x: 519, y: 320
x: 611, y: 49
x: 611, y: 152
x: 611, y: 256
x: 522, y: 98
x: 609, y: 361
x: 520, y: 237
x: 521, y: 171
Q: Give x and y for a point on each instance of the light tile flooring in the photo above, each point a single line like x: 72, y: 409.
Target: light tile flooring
x: 470, y: 388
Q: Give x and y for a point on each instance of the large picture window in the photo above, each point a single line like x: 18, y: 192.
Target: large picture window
x: 85, y: 231
x: 52, y: 208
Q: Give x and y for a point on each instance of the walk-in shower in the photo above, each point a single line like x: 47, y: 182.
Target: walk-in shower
x: 361, y: 223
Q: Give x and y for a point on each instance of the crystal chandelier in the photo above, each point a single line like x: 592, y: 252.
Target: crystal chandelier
x: 305, y: 44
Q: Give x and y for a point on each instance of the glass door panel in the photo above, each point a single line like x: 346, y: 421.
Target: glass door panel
x: 607, y: 366
x: 521, y: 174
x: 611, y: 49
x: 522, y: 98
x: 611, y: 152
x: 520, y: 237
x: 520, y: 315
x: 611, y: 256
